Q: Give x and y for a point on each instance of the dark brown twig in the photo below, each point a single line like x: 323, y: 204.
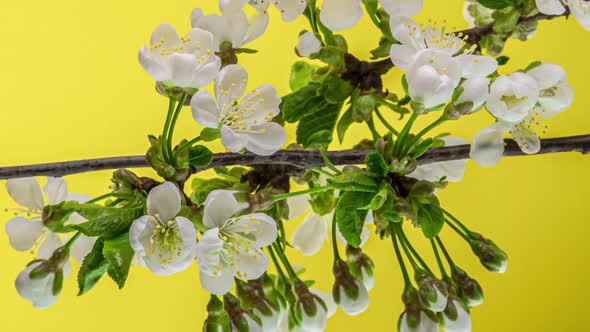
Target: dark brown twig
x: 296, y: 159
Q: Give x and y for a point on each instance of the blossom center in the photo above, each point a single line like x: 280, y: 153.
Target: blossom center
x: 165, y: 241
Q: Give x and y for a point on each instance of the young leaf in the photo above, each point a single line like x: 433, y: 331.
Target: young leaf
x: 200, y: 156
x: 93, y: 268
x: 334, y: 89
x: 350, y: 216
x: 376, y: 164
x: 301, y: 75
x: 323, y: 137
x: 297, y: 104
x: 431, y: 219
x: 119, y: 254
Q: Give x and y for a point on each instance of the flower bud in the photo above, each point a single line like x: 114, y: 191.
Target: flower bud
x: 490, y: 256
x: 384, y: 146
x: 241, y: 320
x: 252, y: 298
x: 124, y: 181
x: 432, y: 292
x: 308, y: 44
x: 455, y: 317
x: 417, y: 321
x: 218, y: 319
x: 54, y: 216
x: 468, y: 289
x: 167, y: 90
x: 310, y: 311
x: 361, y: 266
x: 349, y: 293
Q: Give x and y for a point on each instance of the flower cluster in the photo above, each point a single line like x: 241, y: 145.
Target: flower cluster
x: 232, y: 226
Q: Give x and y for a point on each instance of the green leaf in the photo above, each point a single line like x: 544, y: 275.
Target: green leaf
x: 299, y: 103
x: 301, y: 75
x: 343, y: 124
x: 362, y: 107
x: 421, y: 148
x: 505, y: 20
x: 332, y: 55
x: 320, y: 118
x: 502, y: 60
x: 93, y: 267
x: 431, y: 219
x: 496, y: 4
x: 119, y: 254
x: 350, y: 215
x: 106, y: 221
x: 323, y: 138
x: 196, y: 217
x: 376, y: 164
x: 230, y: 180
x: 200, y: 156
x: 379, y: 199
x: 354, y: 181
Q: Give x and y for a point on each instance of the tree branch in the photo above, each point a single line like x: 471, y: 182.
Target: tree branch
x: 297, y: 159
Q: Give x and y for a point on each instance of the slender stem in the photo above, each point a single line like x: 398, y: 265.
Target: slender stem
x: 398, y: 254
x: 323, y: 172
x: 445, y: 252
x: 334, y: 240
x: 401, y: 141
x: 171, y: 105
x: 405, y: 240
x: 374, y: 132
x: 285, y: 261
x: 328, y: 162
x: 438, y: 260
x: 187, y: 145
x: 397, y: 229
x: 461, y: 225
x: 280, y: 197
x: 276, y: 263
x: 99, y: 198
x: 173, y: 123
x: 423, y: 132
x: 69, y: 244
x: 457, y: 230
x: 385, y: 123
x: 282, y: 232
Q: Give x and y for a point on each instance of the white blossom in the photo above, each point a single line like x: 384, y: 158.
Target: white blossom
x: 38, y: 291
x: 351, y: 306
x: 164, y: 241
x: 519, y: 110
x: 232, y: 245
x: 344, y: 14
x: 26, y: 231
x: 232, y: 26
x: 245, y: 123
x: 290, y: 9
x: 185, y: 62
x: 434, y: 62
x: 308, y: 44
x: 580, y: 9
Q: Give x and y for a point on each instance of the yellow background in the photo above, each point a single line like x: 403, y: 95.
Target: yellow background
x: 71, y: 88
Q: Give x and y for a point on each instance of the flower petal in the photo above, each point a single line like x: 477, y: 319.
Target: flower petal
x: 257, y: 25
x: 23, y: 233
x: 230, y: 85
x: 231, y: 140
x: 290, y: 9
x: 353, y: 307
x: 80, y: 198
x: 328, y: 301
x: 487, y: 146
x: 550, y: 7
x: 526, y: 138
x: 182, y: 70
x: 308, y: 44
x: 250, y: 264
x: 266, y: 139
x: 403, y: 56
x: 56, y: 190
x: 230, y: 5
x: 310, y: 235
x: 139, y: 235
x: 164, y: 200
x: 220, y: 206
x: 340, y: 14
x: 231, y: 27
x: 474, y: 66
x: 155, y: 69
x: 26, y: 192
x: 461, y: 323
x: 204, y: 109
x: 548, y: 75
x: 209, y: 250
x: 217, y: 285
x: 258, y: 225
x: 407, y: 32
x: 166, y: 36
x: 405, y: 8
x: 298, y: 205
x: 581, y: 12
